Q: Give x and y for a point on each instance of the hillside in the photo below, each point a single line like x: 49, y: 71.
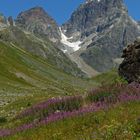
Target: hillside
x: 63, y: 82
x: 27, y: 78
x: 37, y: 46
x: 109, y: 113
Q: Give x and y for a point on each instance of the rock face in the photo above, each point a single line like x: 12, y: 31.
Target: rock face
x: 93, y: 16
x: 11, y: 21
x: 3, y: 22
x: 130, y: 67
x: 2, y: 19
x: 38, y: 22
x: 104, y: 28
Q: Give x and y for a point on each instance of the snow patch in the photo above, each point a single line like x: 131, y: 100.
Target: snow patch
x: 75, y: 46
x: 111, y: 26
x: 64, y: 50
x: 88, y: 1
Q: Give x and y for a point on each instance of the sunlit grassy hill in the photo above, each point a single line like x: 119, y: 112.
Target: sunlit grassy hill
x: 26, y: 78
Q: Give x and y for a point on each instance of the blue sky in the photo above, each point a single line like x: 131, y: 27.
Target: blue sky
x: 60, y: 10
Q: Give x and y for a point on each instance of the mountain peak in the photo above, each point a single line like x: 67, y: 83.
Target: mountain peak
x: 36, y: 20
x: 37, y: 9
x: 106, y: 2
x: 34, y: 12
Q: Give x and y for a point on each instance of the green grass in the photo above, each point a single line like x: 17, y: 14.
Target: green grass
x: 118, y: 123
x: 110, y: 77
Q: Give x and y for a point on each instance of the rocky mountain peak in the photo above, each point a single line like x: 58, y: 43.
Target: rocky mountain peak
x: 100, y: 29
x: 92, y: 13
x: 33, y: 13
x: 37, y: 21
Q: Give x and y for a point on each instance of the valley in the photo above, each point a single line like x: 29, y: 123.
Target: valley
x: 75, y: 81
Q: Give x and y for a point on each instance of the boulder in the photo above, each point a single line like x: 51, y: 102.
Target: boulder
x: 130, y: 67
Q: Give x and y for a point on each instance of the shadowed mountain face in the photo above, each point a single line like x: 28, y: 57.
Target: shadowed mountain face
x: 104, y: 29
x: 37, y: 21
x: 89, y: 16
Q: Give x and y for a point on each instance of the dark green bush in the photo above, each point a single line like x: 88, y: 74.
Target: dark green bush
x: 3, y: 120
x: 98, y: 96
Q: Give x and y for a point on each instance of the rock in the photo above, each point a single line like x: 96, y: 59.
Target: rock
x: 10, y: 21
x: 130, y: 67
x: 38, y: 22
x: 2, y: 19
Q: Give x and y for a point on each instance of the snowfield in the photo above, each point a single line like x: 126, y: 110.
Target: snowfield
x: 73, y: 45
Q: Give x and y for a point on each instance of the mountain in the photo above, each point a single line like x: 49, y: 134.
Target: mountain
x: 93, y: 38
x: 130, y: 67
x: 97, y: 32
x: 33, y: 68
x: 38, y: 22
x: 45, y: 49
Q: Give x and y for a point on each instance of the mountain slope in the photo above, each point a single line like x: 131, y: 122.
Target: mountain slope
x: 26, y: 78
x: 39, y: 47
x: 104, y: 28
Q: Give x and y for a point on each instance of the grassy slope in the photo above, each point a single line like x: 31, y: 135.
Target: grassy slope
x: 107, y: 78
x: 25, y: 79
x: 118, y: 123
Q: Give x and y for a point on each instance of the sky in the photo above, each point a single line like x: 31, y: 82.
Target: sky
x: 60, y: 10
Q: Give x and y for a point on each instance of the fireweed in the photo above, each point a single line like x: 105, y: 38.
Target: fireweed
x: 52, y: 105
x: 61, y: 108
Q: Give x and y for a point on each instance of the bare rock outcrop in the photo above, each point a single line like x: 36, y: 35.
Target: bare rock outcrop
x: 130, y: 67
x: 11, y: 21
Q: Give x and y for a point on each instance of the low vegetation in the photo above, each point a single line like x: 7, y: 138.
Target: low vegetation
x: 39, y: 102
x: 100, y: 104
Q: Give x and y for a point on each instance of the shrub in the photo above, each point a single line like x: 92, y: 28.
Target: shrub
x: 99, y: 96
x: 3, y: 120
x: 64, y: 104
x: 53, y: 105
x: 106, y: 93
